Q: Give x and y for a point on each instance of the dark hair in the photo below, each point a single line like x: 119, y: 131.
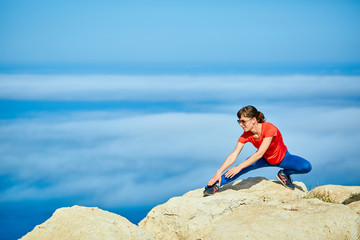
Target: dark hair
x: 250, y: 112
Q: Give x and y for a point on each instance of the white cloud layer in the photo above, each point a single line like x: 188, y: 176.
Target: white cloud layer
x: 175, y: 88
x: 78, y: 155
x: 119, y: 160
x: 114, y: 158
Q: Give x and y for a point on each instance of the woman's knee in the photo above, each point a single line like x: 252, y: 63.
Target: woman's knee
x: 302, y: 165
x: 306, y: 167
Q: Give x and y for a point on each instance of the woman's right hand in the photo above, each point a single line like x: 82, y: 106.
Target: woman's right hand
x: 228, y: 162
x: 214, y: 179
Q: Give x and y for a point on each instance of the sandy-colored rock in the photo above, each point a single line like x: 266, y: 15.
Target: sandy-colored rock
x: 296, y: 220
x: 337, y: 193
x: 254, y: 208
x: 86, y: 223
x: 180, y: 217
x: 355, y: 206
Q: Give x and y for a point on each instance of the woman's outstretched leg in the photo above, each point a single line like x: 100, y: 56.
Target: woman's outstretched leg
x: 209, y: 190
x: 258, y: 164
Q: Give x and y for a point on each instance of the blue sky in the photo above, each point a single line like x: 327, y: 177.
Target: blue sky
x: 137, y: 32
x: 124, y: 104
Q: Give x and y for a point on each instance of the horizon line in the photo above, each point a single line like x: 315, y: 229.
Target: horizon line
x: 173, y: 68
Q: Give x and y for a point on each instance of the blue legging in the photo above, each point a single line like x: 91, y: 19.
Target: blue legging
x: 291, y: 164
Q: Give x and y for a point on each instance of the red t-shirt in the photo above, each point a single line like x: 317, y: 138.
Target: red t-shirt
x: 277, y: 149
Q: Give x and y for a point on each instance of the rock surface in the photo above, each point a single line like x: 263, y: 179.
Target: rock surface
x: 355, y: 206
x: 300, y: 219
x: 86, y: 223
x: 337, y: 193
x: 254, y: 208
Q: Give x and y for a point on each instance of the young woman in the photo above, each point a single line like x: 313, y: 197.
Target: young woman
x: 271, y: 152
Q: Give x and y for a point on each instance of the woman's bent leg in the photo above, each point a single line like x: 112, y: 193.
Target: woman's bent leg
x: 258, y: 164
x: 293, y: 164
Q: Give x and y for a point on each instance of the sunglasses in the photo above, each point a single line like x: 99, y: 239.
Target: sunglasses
x: 242, y: 121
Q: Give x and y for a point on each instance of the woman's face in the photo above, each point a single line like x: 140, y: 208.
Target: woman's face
x: 246, y: 123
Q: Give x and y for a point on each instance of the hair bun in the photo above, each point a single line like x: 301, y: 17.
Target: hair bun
x: 260, y: 117
x: 251, y: 111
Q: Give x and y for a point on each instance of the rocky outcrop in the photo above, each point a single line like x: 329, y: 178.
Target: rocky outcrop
x: 347, y: 195
x: 337, y: 193
x: 300, y: 219
x: 79, y: 223
x: 255, y: 208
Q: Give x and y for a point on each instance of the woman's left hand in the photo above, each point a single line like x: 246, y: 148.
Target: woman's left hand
x: 232, y: 172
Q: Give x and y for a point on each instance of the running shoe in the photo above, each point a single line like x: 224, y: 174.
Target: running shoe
x: 210, y: 190
x: 285, y: 180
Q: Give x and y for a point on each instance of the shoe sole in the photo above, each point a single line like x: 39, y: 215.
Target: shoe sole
x: 284, y: 183
x: 209, y: 194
